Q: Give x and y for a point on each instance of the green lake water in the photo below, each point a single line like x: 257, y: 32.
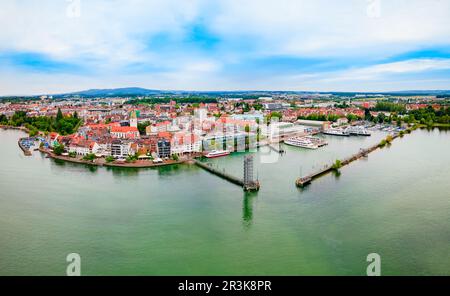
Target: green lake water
x: 182, y: 220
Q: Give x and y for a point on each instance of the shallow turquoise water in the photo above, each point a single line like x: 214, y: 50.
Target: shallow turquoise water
x: 181, y: 220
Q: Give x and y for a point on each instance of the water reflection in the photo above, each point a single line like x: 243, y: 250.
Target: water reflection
x: 123, y: 172
x: 168, y: 170
x: 247, y: 207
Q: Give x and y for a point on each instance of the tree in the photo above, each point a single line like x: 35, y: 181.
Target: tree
x: 109, y: 159
x: 58, y: 149
x: 59, y: 115
x: 337, y: 164
x: 142, y: 127
x: 89, y: 157
x: 75, y: 115
x: 367, y: 115
x: 381, y: 117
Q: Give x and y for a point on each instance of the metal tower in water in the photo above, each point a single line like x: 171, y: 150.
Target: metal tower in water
x: 249, y: 182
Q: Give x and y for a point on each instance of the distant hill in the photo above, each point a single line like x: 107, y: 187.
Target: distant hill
x: 142, y: 92
x: 115, y: 92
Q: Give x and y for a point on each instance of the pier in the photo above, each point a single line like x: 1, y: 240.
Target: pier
x: 248, y: 184
x: 279, y: 150
x: 306, y: 180
x: 25, y: 150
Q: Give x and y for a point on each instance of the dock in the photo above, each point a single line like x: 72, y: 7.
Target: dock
x: 247, y: 186
x: 25, y: 150
x: 306, y: 180
x: 279, y: 150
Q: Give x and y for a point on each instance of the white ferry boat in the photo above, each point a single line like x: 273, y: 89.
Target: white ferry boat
x: 317, y: 141
x: 358, y: 131
x: 301, y: 142
x: 217, y: 153
x: 336, y: 132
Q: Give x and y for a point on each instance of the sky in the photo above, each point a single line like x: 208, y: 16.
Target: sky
x: 57, y: 46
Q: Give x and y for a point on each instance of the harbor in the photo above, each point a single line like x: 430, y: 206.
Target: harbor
x: 306, y: 180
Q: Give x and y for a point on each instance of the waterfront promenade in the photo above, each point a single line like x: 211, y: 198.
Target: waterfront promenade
x: 102, y: 161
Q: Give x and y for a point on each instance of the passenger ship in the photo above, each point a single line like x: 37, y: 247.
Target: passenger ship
x: 336, y: 132
x: 358, y: 131
x: 301, y: 142
x: 217, y: 153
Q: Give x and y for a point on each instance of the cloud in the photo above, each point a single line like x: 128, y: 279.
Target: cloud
x: 223, y: 44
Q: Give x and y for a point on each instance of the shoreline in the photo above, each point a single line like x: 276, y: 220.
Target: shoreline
x: 10, y: 127
x: 104, y: 164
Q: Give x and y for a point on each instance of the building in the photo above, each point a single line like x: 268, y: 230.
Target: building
x: 133, y: 119
x: 342, y: 121
x: 125, y: 132
x: 164, y: 148
x: 120, y: 149
x: 321, y: 125
x: 182, y: 143
x: 83, y: 147
x: 200, y: 114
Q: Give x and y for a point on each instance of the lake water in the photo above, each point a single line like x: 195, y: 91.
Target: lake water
x: 182, y: 220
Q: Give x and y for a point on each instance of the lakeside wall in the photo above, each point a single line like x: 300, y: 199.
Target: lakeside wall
x: 124, y: 165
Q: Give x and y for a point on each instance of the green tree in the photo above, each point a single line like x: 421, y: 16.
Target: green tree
x: 58, y: 149
x: 89, y: 157
x: 59, y: 115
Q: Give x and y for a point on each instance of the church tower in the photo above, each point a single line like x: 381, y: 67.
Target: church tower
x: 133, y: 119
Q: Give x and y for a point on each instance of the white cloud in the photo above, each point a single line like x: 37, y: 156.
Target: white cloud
x: 112, y: 34
x: 335, y: 28
x: 383, y: 70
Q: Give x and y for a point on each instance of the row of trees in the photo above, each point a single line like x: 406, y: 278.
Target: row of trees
x: 61, y: 124
x: 390, y: 107
x: 188, y: 100
x: 329, y: 117
x: 428, y: 116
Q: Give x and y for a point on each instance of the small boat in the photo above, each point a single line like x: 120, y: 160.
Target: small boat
x: 336, y: 132
x: 301, y: 142
x: 217, y: 153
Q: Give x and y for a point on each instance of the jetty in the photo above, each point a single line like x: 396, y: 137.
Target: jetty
x: 306, y: 180
x: 24, y: 145
x: 278, y: 149
x: 248, y: 184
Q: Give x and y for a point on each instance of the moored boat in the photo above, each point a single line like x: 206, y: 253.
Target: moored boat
x: 358, y: 131
x: 217, y: 153
x: 302, y: 142
x: 336, y: 132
